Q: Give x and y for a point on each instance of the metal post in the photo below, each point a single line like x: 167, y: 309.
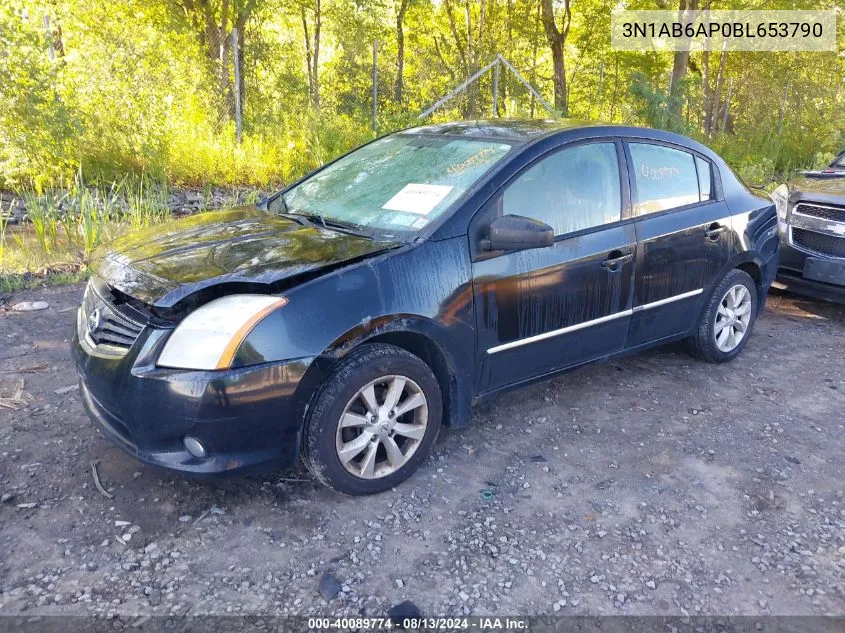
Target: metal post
x: 727, y: 105
x: 528, y: 86
x: 783, y: 109
x: 496, y: 88
x: 601, y: 80
x: 51, y: 52
x: 375, y: 85
x: 238, y: 106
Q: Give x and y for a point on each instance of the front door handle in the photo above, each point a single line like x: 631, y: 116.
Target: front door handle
x: 616, y: 260
x: 715, y: 230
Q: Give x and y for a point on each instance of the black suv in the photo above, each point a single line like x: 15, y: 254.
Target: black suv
x: 348, y: 316
x: 812, y: 213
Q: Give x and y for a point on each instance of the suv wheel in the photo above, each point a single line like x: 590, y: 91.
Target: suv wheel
x: 373, y: 422
x: 727, y: 319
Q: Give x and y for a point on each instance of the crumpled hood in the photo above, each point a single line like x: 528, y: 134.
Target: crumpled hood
x: 164, y: 264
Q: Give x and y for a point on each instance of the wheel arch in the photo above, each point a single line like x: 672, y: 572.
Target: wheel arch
x: 412, y: 333
x: 752, y: 266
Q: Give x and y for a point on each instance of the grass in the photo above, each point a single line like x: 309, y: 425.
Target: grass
x: 24, y: 281
x: 68, y: 222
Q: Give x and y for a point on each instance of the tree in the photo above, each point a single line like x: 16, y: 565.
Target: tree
x: 401, y: 10
x: 312, y: 47
x: 213, y: 21
x: 556, y: 38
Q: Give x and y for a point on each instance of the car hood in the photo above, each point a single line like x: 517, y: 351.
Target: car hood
x: 824, y: 185
x: 165, y: 264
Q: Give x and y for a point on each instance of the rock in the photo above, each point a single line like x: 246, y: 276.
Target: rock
x: 399, y: 612
x: 185, y: 518
x: 67, y: 389
x: 154, y: 597
x: 30, y: 306
x: 400, y: 583
x: 329, y: 586
x: 26, y: 506
x: 7, y: 497
x: 651, y: 584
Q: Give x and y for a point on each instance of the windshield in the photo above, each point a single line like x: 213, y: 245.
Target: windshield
x: 397, y: 184
x: 839, y: 162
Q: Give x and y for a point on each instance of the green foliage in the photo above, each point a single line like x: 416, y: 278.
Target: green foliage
x: 68, y: 223
x: 145, y: 88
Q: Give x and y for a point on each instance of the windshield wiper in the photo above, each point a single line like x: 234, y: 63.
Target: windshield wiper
x: 332, y: 223
x: 346, y: 227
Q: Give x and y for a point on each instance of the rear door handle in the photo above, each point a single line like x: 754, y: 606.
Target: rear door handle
x: 715, y: 230
x: 615, y: 260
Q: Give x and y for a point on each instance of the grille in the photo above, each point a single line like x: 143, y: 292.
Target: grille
x: 105, y: 324
x: 835, y: 214
x: 819, y: 243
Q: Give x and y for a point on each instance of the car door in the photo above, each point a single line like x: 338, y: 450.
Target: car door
x: 684, y: 238
x: 544, y: 309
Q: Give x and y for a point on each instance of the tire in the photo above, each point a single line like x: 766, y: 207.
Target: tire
x: 711, y: 342
x: 342, y: 457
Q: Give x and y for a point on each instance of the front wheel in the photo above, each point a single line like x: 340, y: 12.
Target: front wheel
x: 726, y: 321
x: 373, y: 422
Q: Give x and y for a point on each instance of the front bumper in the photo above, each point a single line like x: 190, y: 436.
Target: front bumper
x: 247, y: 419
x: 791, y: 274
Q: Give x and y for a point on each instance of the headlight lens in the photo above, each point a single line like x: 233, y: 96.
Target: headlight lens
x: 781, y: 198
x: 210, y: 335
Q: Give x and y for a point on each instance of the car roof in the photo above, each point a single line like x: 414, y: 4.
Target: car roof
x: 524, y: 131
x: 509, y: 130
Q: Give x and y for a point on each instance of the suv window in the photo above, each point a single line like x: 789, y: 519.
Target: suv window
x: 573, y: 189
x: 665, y: 177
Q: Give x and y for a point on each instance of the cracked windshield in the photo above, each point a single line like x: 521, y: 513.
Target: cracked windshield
x: 400, y: 184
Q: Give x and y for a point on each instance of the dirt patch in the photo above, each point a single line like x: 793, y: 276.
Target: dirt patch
x: 651, y: 485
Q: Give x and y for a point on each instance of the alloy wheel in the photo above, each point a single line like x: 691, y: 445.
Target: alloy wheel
x: 732, y: 318
x: 381, y: 427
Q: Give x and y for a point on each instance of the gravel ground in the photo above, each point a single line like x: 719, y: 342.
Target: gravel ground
x: 651, y: 485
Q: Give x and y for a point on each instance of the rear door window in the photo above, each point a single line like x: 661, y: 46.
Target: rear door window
x: 665, y: 178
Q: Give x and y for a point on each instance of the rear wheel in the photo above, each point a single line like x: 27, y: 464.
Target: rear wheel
x: 373, y: 422
x: 726, y: 321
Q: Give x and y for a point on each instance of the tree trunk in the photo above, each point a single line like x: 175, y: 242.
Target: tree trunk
x: 312, y: 52
x: 679, y: 65
x: 223, y: 45
x: 717, y: 96
x: 557, y: 40
x: 534, y: 58
x: 400, y: 51
x: 705, y: 88
x: 318, y: 21
x: 472, y: 90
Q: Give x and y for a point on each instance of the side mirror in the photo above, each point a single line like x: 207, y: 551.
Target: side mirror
x: 515, y: 232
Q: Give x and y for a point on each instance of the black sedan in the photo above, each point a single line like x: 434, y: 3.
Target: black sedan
x: 812, y: 213
x: 347, y: 317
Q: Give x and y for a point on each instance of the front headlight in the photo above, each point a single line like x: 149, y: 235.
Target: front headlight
x: 210, y: 335
x: 781, y: 198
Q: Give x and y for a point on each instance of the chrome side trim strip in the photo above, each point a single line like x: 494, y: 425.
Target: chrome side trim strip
x: 662, y: 302
x: 586, y: 324
x: 563, y: 330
